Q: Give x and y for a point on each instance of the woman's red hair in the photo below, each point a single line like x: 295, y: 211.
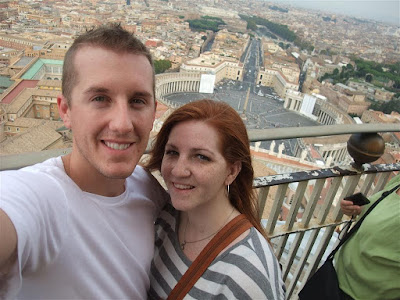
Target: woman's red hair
x: 234, y: 143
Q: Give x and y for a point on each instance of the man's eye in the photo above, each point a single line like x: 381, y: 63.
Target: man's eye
x: 138, y: 101
x: 99, y: 98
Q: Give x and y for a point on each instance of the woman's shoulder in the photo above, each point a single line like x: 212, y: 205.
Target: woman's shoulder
x: 168, y: 216
x: 254, y: 246
x: 254, y: 265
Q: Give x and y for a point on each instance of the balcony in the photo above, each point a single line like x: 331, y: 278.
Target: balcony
x: 299, y: 209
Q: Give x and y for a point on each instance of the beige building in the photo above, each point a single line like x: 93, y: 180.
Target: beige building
x: 280, y: 70
x: 282, y: 78
x: 210, y: 63
x: 230, y: 44
x: 372, y: 116
x: 353, y: 103
x: 383, y: 95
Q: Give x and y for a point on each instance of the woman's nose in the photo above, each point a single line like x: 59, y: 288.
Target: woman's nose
x: 181, y: 168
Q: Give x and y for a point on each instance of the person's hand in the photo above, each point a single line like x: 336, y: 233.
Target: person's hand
x: 348, y: 208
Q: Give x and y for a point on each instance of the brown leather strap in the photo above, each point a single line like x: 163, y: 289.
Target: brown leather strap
x: 220, y: 241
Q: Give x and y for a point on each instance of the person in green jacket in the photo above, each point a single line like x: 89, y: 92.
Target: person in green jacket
x: 368, y: 264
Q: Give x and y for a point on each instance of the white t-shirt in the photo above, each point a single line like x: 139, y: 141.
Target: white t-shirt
x: 77, y: 245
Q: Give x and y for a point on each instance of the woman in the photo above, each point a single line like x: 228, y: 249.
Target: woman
x: 203, y: 154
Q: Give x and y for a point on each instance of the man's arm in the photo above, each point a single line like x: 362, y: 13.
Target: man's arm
x: 8, y: 243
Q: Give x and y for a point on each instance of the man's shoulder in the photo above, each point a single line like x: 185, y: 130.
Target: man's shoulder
x: 35, y: 174
x: 143, y: 182
x: 49, y: 165
x: 141, y: 175
x: 142, y: 179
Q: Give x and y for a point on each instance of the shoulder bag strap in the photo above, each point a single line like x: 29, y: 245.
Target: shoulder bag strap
x: 358, y: 223
x: 221, y: 240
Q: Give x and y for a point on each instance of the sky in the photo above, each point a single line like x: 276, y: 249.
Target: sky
x: 383, y: 11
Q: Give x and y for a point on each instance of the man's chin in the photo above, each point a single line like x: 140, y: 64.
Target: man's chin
x: 119, y: 173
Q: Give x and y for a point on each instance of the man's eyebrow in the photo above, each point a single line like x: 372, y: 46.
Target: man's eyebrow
x: 95, y: 89
x: 142, y: 94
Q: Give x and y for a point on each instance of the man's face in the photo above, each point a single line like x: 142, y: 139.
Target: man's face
x: 111, y: 111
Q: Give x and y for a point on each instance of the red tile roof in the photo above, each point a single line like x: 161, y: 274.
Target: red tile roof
x: 161, y: 109
x: 18, y: 88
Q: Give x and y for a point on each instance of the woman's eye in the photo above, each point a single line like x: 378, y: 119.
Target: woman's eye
x: 203, y: 157
x: 171, y: 152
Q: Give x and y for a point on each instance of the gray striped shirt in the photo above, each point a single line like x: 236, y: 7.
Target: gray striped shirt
x: 247, y: 270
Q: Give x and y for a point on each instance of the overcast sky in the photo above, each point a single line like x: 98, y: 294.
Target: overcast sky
x: 384, y: 11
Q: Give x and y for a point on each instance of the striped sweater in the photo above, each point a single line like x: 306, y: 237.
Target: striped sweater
x: 247, y: 270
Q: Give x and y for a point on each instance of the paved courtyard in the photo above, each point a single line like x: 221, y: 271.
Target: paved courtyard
x: 264, y: 108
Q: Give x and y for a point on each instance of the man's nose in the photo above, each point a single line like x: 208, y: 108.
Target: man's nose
x: 121, y: 119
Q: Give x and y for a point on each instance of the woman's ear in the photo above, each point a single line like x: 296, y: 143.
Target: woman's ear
x: 234, y: 170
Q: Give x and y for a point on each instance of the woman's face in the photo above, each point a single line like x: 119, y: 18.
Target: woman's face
x: 193, y: 167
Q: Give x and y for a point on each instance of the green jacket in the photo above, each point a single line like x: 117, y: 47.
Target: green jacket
x: 368, y: 264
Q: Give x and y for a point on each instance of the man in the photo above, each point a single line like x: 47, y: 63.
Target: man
x: 81, y: 226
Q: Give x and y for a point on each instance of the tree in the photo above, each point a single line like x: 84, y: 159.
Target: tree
x: 387, y: 107
x: 251, y: 25
x: 160, y: 66
x: 335, y: 72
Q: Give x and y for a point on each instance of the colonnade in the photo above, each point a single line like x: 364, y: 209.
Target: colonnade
x: 293, y: 104
x: 169, y: 83
x: 326, y: 118
x: 178, y: 87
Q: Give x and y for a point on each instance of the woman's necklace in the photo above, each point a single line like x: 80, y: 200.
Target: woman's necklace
x: 207, y: 237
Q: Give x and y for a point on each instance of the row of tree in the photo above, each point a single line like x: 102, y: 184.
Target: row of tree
x: 206, y: 23
x: 368, y: 71
x: 386, y: 107
x: 276, y: 29
x: 281, y: 30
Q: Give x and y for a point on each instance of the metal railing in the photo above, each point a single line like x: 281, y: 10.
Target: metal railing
x: 300, y: 210
x: 303, y: 220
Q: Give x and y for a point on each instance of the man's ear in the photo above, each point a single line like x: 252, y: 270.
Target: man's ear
x: 234, y: 171
x: 64, y: 110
